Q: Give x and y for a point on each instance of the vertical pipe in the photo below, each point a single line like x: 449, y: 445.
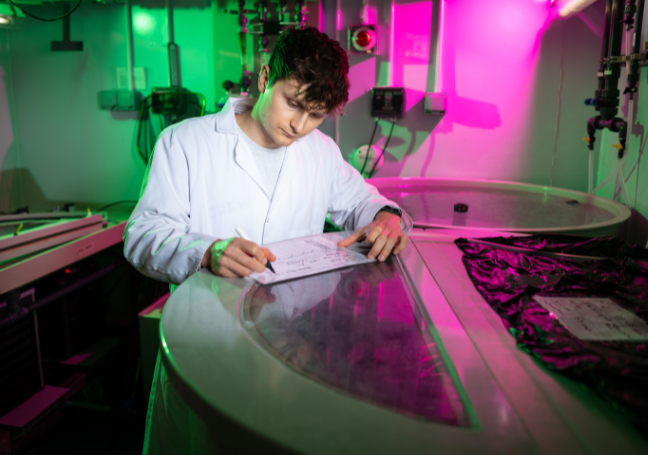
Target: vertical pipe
x: 392, y: 32
x: 338, y: 25
x: 636, y: 48
x: 169, y: 9
x: 604, y: 49
x: 66, y: 24
x: 129, y: 46
x: 613, y: 71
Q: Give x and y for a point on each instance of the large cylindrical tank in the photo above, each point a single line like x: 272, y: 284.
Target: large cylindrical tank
x: 503, y: 206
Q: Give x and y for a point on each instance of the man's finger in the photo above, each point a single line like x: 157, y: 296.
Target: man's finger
x: 230, y: 268
x: 268, y: 254
x: 377, y: 247
x: 387, y: 249
x: 252, y: 249
x: 242, y: 257
x: 353, y: 238
x: 374, y: 234
x: 401, y: 244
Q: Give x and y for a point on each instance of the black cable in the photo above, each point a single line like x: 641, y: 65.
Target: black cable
x: 116, y: 203
x: 384, y: 149
x: 369, y: 148
x: 47, y: 19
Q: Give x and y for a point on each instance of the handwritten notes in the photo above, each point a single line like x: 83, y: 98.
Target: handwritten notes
x: 595, y: 318
x: 306, y: 256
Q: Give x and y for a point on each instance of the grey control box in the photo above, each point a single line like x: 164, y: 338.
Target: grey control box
x: 388, y: 102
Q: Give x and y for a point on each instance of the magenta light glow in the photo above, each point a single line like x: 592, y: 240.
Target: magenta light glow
x: 486, y: 66
x: 439, y: 53
x: 391, y: 47
x: 411, y: 24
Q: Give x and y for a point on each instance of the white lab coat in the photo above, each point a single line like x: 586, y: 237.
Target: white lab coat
x: 203, y: 182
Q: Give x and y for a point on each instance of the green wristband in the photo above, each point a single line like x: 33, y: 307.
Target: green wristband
x: 217, y: 251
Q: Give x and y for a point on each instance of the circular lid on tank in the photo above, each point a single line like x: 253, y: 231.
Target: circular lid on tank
x: 498, y: 205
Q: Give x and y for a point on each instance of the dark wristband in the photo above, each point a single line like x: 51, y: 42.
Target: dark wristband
x: 391, y: 209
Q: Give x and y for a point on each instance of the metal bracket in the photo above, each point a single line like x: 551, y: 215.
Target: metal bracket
x: 626, y: 58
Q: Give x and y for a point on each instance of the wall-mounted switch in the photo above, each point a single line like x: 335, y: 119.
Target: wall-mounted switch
x: 388, y: 102
x: 435, y: 103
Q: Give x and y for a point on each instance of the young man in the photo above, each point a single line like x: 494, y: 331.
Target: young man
x: 261, y: 166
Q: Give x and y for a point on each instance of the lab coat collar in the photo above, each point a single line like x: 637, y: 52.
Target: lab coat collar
x: 225, y: 120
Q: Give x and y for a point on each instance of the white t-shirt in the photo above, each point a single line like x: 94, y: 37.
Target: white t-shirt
x: 268, y: 160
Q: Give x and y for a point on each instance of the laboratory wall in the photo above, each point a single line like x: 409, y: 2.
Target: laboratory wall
x: 515, y: 80
x: 68, y: 149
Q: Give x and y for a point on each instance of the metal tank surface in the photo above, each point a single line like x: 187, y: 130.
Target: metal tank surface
x: 399, y: 357
x: 503, y: 206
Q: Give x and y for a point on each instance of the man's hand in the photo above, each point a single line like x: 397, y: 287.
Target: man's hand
x: 236, y: 258
x: 384, y: 233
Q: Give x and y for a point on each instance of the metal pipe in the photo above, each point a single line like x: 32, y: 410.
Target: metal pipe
x: 338, y: 24
x: 12, y: 318
x: 129, y: 46
x: 604, y: 51
x: 610, y: 94
x: 633, y: 75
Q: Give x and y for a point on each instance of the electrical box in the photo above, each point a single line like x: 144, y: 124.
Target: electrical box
x: 388, y: 102
x: 435, y: 103
x: 119, y: 100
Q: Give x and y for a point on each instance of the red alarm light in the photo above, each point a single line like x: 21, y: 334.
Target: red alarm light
x: 363, y: 39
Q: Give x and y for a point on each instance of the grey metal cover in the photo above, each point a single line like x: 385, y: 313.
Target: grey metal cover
x: 358, y: 331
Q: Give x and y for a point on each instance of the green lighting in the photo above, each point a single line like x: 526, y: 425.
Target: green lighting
x: 144, y: 23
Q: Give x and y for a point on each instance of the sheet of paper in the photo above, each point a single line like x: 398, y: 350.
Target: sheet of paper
x: 306, y: 256
x: 595, y: 318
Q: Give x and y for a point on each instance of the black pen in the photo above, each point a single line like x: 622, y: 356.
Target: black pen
x: 244, y: 236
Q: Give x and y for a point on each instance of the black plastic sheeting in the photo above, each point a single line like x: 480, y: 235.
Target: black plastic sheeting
x: 617, y: 370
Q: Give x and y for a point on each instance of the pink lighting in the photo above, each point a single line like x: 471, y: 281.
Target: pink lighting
x: 391, y: 46
x: 411, y: 24
x: 439, y: 54
x: 486, y: 66
x: 362, y: 76
x: 339, y: 20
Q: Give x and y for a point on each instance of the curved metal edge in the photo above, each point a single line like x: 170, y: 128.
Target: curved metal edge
x: 621, y: 212
x: 232, y: 436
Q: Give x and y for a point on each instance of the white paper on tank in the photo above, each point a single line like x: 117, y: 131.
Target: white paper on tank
x: 594, y: 318
x: 306, y: 256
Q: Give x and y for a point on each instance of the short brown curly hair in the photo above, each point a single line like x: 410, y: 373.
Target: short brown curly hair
x: 311, y: 57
